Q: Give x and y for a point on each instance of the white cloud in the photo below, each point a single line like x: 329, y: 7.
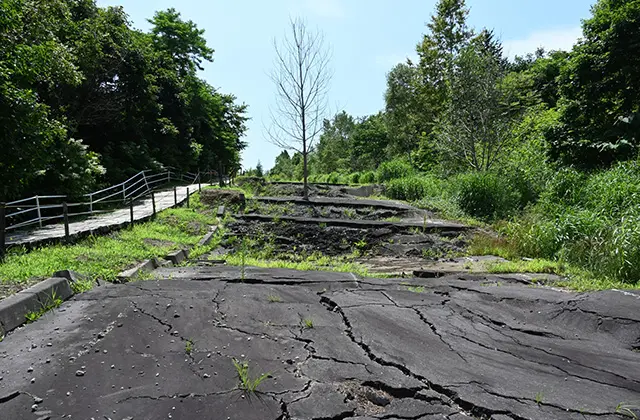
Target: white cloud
x: 326, y: 8
x: 551, y: 39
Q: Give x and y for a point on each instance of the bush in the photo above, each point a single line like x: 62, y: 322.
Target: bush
x: 333, y: 178
x: 394, y: 169
x: 414, y: 188
x: 486, y: 195
x: 615, y: 191
x: 368, y: 177
x: 354, y: 178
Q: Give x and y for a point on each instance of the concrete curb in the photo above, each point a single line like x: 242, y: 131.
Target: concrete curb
x: 176, y: 257
x: 14, y: 309
x: 206, y: 239
x: 145, y: 266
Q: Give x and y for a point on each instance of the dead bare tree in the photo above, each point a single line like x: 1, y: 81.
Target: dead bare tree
x: 301, y: 74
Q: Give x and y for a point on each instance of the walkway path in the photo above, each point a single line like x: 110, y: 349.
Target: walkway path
x: 106, y: 221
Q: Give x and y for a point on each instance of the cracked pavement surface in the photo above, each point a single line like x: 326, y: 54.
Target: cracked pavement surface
x: 465, y: 346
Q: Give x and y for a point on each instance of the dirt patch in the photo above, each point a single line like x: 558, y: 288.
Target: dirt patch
x: 282, y: 237
x: 216, y: 197
x: 323, y: 211
x: 8, y: 289
x: 158, y: 242
x: 319, y: 190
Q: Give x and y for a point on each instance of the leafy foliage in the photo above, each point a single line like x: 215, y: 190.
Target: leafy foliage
x: 86, y: 99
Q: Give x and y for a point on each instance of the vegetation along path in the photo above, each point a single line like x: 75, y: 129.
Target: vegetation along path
x: 142, y: 209
x: 221, y: 336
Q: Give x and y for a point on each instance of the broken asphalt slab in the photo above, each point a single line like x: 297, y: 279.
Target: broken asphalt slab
x: 457, y: 349
x: 426, y: 226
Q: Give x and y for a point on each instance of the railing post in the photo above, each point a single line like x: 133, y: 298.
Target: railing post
x: 144, y: 176
x: 91, y: 203
x: 131, y: 209
x: 2, y: 231
x: 153, y: 203
x: 124, y: 192
x: 65, y: 213
x: 175, y: 196
x: 187, y: 197
x: 199, y: 182
x: 169, y: 176
x: 38, y: 210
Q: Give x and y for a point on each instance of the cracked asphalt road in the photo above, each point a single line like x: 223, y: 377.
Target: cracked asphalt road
x: 467, y: 346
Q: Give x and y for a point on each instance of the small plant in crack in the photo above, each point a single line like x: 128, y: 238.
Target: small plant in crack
x: 52, y: 302
x: 274, y: 299
x: 361, y: 244
x: 307, y: 323
x: 416, y: 289
x: 246, y: 382
x: 188, y: 347
x: 539, y: 397
x: 627, y: 410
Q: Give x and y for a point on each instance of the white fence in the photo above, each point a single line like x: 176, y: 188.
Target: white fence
x: 40, y: 209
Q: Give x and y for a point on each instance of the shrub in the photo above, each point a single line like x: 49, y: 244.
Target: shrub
x: 413, y: 188
x: 368, y: 177
x: 354, y: 178
x: 614, y: 191
x: 394, y: 169
x: 486, y: 195
x: 333, y: 178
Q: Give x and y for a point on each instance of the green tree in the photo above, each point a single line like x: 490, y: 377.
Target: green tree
x: 332, y: 151
x: 403, y: 109
x: 477, y: 126
x: 600, y: 89
x: 369, y: 139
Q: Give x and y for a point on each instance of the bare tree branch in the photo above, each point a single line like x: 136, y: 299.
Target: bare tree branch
x: 301, y: 76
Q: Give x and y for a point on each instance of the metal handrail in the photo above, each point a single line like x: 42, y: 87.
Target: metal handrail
x: 135, y: 187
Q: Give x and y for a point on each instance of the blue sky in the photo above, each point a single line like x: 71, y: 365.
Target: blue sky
x: 367, y: 37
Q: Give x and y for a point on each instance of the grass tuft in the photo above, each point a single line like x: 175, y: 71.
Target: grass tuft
x: 246, y: 382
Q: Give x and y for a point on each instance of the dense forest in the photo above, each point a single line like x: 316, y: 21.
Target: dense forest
x: 545, y: 146
x: 86, y: 99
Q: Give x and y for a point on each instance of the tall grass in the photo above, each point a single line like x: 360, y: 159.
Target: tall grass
x: 590, y: 221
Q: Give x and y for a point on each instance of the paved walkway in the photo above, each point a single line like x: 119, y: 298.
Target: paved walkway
x: 336, y: 346
x: 141, y: 210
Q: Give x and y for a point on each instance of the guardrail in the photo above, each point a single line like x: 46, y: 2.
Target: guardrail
x: 42, y: 209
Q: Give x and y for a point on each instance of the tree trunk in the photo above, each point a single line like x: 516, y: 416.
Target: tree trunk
x: 220, y: 180
x: 305, y: 172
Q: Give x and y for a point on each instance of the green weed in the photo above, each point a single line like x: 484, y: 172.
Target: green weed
x: 307, y: 323
x: 274, y: 298
x: 246, y: 382
x: 105, y: 256
x: 627, y: 410
x: 50, y: 303
x: 188, y: 347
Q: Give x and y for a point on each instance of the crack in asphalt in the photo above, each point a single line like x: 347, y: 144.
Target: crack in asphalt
x: 168, y: 397
x: 451, y: 395
x: 520, y: 343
